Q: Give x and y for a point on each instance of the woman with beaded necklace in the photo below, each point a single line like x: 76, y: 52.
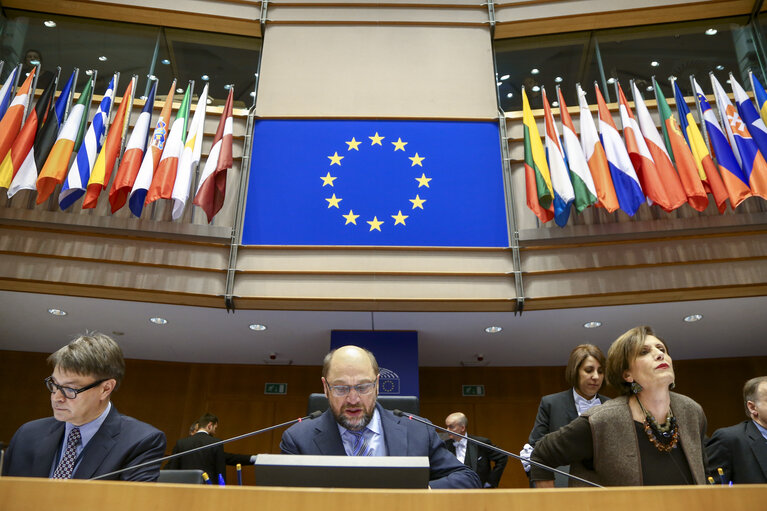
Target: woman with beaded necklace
x: 647, y: 436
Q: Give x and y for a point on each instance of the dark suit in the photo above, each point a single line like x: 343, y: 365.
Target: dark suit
x: 209, y: 460
x: 120, y: 442
x: 740, y: 451
x: 402, y: 437
x: 478, y: 459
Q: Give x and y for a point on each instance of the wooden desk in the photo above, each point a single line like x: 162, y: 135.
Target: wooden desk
x: 30, y: 494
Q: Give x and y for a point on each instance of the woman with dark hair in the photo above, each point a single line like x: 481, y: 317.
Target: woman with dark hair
x: 647, y: 436
x: 584, y: 374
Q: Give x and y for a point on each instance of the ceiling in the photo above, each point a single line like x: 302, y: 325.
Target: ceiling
x: 729, y: 328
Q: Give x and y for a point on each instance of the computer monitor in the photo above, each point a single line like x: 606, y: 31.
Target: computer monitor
x: 342, y: 471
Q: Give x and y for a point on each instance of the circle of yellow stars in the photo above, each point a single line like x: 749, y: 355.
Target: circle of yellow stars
x: 374, y: 223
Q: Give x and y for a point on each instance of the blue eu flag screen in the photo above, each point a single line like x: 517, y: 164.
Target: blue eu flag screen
x: 376, y: 183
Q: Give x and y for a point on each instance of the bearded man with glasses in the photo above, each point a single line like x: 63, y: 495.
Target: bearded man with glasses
x: 356, y: 425
x: 87, y: 436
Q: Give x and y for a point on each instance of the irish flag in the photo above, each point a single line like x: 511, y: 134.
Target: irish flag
x: 190, y: 156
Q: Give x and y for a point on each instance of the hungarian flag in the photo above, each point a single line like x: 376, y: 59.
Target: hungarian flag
x: 712, y: 181
x: 681, y: 154
x: 595, y: 155
x: 151, y: 157
x: 537, y: 179
x: 190, y: 156
x: 134, y: 153
x: 564, y: 195
x: 55, y: 167
x: 165, y: 176
x: 23, y: 147
x: 6, y: 92
x: 580, y: 175
x: 11, y: 123
x: 212, y: 188
x: 105, y: 162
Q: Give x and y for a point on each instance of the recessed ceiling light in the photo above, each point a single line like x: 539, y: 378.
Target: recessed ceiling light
x: 151, y: 77
x: 555, y: 103
x: 535, y: 88
x: 49, y: 23
x: 534, y: 71
x: 559, y: 79
x: 655, y: 63
x: 205, y: 78
x: 611, y: 80
x: 255, y: 74
x: 103, y: 58
x: 143, y: 98
x: 649, y: 88
x: 711, y: 31
x: 209, y: 101
x: 89, y: 72
x: 505, y: 77
x: 493, y: 329
x: 57, y: 312
x: 592, y: 324
x: 158, y: 320
x: 510, y: 95
x: 227, y: 86
x: 499, y: 83
x: 180, y: 90
x: 692, y: 318
x: 34, y: 62
x: 257, y: 327
x: 720, y: 68
x: 165, y: 62
x: 253, y: 94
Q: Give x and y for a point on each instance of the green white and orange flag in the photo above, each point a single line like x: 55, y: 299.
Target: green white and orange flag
x: 190, y: 156
x: 537, y: 178
x: 55, y: 168
x: 165, y: 176
x: 105, y: 161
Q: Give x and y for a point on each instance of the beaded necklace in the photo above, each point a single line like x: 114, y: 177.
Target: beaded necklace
x: 664, y: 437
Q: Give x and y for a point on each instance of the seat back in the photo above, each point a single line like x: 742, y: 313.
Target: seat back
x: 409, y: 404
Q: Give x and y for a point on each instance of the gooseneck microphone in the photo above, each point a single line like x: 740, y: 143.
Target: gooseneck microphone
x: 400, y: 413
x: 312, y: 415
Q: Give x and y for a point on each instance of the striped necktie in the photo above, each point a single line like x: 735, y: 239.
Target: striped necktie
x: 67, y: 464
x: 360, y: 447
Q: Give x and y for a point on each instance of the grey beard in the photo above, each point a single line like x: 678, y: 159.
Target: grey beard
x: 343, y: 421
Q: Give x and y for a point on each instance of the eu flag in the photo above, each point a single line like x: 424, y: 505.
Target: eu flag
x: 376, y: 183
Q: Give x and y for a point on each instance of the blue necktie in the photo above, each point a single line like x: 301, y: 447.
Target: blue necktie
x: 360, y: 447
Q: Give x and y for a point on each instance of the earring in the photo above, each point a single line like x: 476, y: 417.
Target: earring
x: 672, y: 385
x: 636, y: 388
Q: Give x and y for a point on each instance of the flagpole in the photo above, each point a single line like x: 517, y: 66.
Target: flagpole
x: 2, y: 64
x: 702, y: 120
x: 16, y: 81
x: 71, y: 95
x: 32, y: 92
x: 618, y: 99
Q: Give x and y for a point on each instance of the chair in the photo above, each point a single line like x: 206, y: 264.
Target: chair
x: 407, y: 404
x: 181, y: 476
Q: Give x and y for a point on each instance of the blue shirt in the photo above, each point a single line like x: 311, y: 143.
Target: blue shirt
x: 373, y: 433
x: 761, y: 429
x: 87, y: 431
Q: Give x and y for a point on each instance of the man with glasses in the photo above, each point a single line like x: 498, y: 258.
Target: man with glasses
x: 86, y: 437
x: 356, y: 425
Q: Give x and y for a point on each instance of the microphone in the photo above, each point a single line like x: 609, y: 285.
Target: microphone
x: 312, y: 415
x: 400, y: 413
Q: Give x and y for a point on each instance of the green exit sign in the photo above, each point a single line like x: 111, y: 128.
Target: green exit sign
x: 473, y: 390
x: 276, y: 388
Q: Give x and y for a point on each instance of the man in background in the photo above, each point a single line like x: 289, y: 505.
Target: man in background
x: 488, y: 464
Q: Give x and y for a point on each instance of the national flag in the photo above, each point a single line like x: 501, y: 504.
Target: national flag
x: 709, y: 175
x: 80, y: 171
x: 151, y: 156
x: 760, y: 95
x: 734, y: 179
x: 134, y: 153
x: 560, y: 178
x: 62, y: 102
x: 750, y: 116
x: 537, y: 178
x: 211, y: 190
x: 23, y: 146
x: 55, y: 168
x: 743, y: 146
x: 26, y: 175
x: 165, y: 176
x: 6, y: 93
x: 11, y: 122
x: 625, y: 178
x: 580, y: 175
x: 594, y: 152
x: 681, y: 154
x: 190, y: 156
x: 105, y: 162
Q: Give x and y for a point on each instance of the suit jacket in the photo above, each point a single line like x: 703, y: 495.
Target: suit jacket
x: 740, y: 451
x: 120, y: 442
x: 555, y: 411
x: 209, y: 460
x: 402, y: 437
x: 478, y: 459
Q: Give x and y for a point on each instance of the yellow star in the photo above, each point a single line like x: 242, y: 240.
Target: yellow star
x: 375, y: 224
x: 422, y: 181
x: 351, y: 218
x: 399, y: 218
x: 328, y: 180
x: 336, y: 160
x: 376, y: 141
x: 353, y: 144
x: 399, y: 145
x: 333, y: 201
x: 415, y: 159
x: 417, y: 202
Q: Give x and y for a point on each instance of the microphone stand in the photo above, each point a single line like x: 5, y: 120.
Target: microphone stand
x: 400, y: 413
x: 312, y: 415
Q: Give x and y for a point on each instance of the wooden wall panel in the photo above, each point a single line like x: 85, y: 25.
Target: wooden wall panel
x: 171, y: 395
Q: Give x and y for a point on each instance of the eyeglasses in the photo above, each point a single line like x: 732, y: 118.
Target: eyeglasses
x: 69, y: 392
x: 343, y: 390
